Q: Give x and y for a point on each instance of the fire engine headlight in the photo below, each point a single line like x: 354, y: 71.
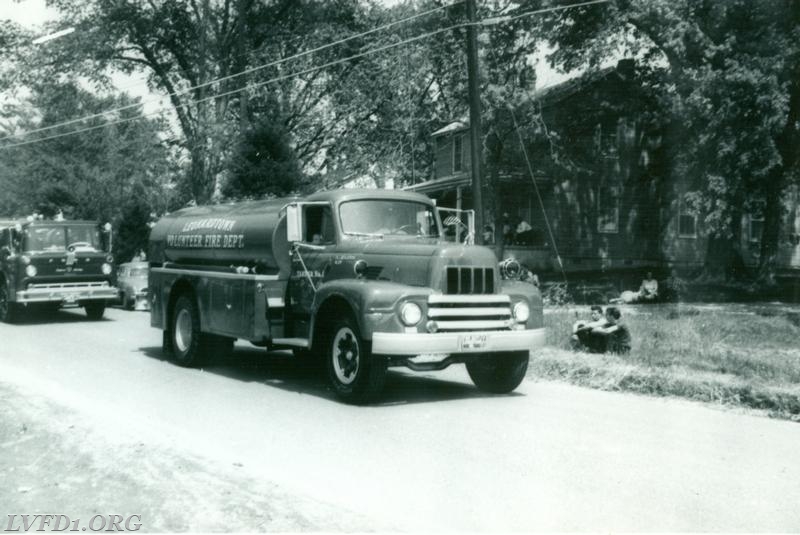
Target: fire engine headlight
x: 521, y: 311
x: 31, y: 270
x: 410, y: 314
x: 106, y: 269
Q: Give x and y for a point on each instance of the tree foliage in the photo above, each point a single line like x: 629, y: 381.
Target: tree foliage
x: 733, y: 84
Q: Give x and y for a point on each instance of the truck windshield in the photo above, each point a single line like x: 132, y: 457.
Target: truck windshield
x: 60, y: 238
x: 381, y: 218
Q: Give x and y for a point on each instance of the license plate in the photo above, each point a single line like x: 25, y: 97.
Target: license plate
x: 472, y: 342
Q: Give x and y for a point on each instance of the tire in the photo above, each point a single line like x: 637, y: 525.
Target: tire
x: 9, y: 312
x: 95, y: 310
x: 499, y: 373
x: 355, y: 374
x: 184, y: 333
x: 128, y: 303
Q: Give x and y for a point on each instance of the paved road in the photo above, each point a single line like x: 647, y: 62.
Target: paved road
x: 436, y: 455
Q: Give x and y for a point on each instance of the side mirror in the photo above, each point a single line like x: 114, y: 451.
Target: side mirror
x: 294, y: 223
x: 107, y: 231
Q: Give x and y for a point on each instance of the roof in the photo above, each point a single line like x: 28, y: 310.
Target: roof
x: 340, y: 195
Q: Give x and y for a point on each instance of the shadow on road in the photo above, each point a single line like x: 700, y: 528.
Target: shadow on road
x: 282, y: 370
x: 43, y: 316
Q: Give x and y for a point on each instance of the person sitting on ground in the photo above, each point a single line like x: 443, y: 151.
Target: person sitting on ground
x: 648, y: 291
x: 616, y: 334
x: 582, y: 336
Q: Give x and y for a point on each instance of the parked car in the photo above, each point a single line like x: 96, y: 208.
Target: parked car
x: 132, y: 283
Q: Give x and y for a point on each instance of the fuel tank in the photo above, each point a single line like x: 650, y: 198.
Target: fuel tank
x: 248, y: 234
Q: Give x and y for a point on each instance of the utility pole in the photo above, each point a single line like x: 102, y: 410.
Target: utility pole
x: 476, y: 144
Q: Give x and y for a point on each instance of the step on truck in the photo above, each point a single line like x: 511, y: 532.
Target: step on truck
x: 362, y: 279
x: 47, y: 264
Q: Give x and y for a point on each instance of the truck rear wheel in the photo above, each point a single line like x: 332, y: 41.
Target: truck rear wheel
x: 185, y: 336
x: 9, y: 312
x: 356, y: 375
x: 95, y: 310
x: 499, y: 373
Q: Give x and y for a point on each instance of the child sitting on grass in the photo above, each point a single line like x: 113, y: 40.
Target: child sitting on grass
x: 615, y: 334
x: 582, y: 335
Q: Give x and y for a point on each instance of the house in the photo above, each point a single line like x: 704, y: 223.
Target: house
x: 602, y: 196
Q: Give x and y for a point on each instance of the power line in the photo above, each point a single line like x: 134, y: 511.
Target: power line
x: 232, y: 76
x: 283, y: 77
x: 248, y: 87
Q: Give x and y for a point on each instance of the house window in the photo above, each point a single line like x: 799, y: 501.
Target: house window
x: 458, y: 153
x: 687, y: 223
x: 608, y: 209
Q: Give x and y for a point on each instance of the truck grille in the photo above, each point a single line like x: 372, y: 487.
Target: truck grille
x: 470, y: 312
x: 67, y: 285
x: 469, y: 281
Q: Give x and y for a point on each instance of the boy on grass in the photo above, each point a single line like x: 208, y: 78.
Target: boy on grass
x: 616, y: 335
x: 582, y: 335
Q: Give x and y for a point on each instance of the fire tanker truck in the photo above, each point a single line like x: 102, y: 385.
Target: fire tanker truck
x: 362, y: 279
x: 50, y: 263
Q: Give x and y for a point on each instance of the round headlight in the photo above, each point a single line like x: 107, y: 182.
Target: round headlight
x: 410, y: 314
x: 106, y: 269
x: 30, y: 270
x: 521, y: 311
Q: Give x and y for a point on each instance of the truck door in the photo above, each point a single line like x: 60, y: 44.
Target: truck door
x: 310, y: 264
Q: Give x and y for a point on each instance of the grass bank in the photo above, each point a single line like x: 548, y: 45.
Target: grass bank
x: 732, y: 354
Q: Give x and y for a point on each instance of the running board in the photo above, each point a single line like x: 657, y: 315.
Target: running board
x: 292, y: 342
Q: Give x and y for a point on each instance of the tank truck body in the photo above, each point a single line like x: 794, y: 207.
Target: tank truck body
x: 361, y: 279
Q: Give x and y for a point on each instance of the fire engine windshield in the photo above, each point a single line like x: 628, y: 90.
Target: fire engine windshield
x: 60, y: 238
x: 383, y: 218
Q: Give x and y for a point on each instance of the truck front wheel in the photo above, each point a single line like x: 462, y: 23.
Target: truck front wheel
x: 8, y: 310
x: 356, y: 375
x: 95, y: 310
x: 499, y: 373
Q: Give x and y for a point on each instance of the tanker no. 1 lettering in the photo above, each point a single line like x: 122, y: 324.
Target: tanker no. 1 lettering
x: 205, y: 241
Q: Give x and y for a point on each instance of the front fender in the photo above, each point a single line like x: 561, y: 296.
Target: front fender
x: 373, y: 303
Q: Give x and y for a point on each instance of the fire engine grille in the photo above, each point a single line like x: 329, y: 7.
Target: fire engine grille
x: 470, y: 312
x: 469, y: 281
x: 67, y: 285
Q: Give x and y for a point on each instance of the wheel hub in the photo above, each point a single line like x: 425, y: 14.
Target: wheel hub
x: 345, y: 355
x: 183, y: 330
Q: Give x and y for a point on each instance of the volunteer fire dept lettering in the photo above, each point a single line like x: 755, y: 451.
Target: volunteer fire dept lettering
x: 188, y: 240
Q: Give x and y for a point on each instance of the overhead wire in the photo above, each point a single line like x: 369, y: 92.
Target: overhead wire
x: 235, y: 75
x: 279, y: 78
x: 240, y: 89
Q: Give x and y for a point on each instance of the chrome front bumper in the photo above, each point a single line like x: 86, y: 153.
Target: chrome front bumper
x: 67, y: 292
x: 456, y: 343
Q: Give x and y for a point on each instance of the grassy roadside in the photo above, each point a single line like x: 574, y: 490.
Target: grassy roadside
x: 738, y: 355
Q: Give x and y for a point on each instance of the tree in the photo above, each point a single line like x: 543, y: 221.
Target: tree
x: 97, y: 174
x: 195, y: 51
x: 262, y: 164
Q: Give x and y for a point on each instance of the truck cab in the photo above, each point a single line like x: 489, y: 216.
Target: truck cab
x: 362, y: 279
x: 51, y: 263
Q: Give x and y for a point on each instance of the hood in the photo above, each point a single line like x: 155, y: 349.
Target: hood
x: 413, y: 262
